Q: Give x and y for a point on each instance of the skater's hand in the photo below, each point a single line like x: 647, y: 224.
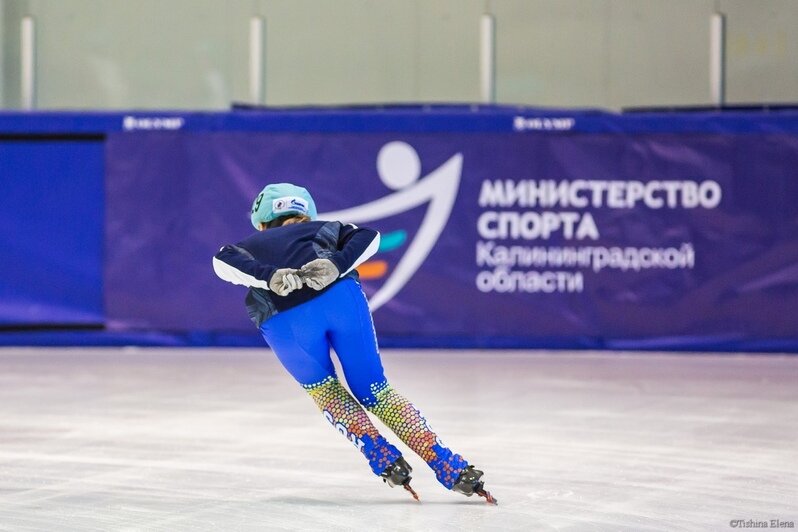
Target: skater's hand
x: 284, y: 281
x: 319, y: 273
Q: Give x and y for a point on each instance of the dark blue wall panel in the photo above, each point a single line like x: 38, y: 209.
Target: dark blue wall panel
x: 51, y: 231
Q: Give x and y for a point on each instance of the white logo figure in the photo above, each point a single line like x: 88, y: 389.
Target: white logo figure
x: 399, y: 169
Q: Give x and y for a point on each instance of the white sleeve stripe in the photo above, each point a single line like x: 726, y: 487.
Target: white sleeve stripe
x: 232, y: 275
x: 371, y: 250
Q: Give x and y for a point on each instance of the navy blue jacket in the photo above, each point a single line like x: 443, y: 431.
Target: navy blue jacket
x: 253, y: 261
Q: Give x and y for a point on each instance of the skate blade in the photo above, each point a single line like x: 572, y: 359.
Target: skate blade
x: 412, y: 492
x: 488, y: 497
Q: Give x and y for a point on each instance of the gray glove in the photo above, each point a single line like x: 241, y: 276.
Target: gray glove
x: 319, y: 273
x: 284, y: 281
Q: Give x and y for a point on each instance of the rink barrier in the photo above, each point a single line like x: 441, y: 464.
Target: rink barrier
x: 505, y: 226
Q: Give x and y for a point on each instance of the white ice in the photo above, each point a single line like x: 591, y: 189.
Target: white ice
x: 211, y: 439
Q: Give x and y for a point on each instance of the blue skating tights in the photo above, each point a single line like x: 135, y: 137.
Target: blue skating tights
x: 339, y: 318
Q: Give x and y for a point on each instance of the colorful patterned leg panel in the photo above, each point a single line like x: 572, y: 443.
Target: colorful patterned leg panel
x: 348, y: 417
x: 409, y: 424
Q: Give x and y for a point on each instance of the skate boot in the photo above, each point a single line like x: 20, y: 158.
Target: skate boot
x: 398, y: 474
x: 469, y: 483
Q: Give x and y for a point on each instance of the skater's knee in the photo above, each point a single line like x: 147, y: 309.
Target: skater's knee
x: 371, y: 395
x: 324, y: 384
x: 324, y: 391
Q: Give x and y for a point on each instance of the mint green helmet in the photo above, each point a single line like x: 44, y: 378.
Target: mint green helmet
x: 281, y: 199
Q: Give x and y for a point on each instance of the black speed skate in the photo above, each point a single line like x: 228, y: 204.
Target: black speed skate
x: 398, y: 474
x: 469, y: 483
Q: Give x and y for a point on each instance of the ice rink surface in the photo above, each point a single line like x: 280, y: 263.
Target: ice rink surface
x: 210, y: 439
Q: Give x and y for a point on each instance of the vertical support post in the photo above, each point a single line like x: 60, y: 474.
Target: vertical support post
x: 487, y: 58
x: 256, y: 60
x: 717, y: 58
x: 28, y: 63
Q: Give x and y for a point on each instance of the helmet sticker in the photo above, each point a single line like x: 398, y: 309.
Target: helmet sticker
x: 289, y: 204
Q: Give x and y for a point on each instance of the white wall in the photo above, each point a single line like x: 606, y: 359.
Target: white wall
x: 9, y: 52
x: 192, y: 54
x: 763, y: 50
x: 2, y: 52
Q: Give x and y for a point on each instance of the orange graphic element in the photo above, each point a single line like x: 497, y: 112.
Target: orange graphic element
x: 373, y: 269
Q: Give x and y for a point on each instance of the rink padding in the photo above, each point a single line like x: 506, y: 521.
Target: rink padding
x: 508, y: 226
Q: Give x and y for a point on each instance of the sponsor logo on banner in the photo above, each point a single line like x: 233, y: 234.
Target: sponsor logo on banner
x: 524, y: 123
x: 153, y: 123
x: 399, y: 169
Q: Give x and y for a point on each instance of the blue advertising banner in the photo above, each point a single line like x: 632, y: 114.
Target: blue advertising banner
x: 543, y: 234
